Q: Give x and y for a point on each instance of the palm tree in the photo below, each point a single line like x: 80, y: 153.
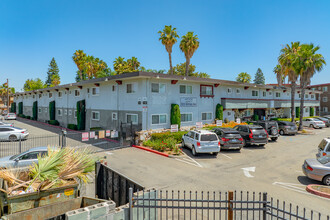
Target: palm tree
x: 188, y: 45
x: 243, y: 77
x: 133, y: 63
x: 119, y: 64
x: 79, y: 57
x: 279, y: 75
x: 308, y: 62
x: 168, y: 37
x: 286, y: 60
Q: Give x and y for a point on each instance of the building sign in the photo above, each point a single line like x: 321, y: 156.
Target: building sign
x: 174, y: 128
x: 188, y: 101
x: 219, y: 123
x: 101, y: 134
x: 238, y: 120
x: 114, y: 134
x: 107, y: 133
x: 92, y: 134
x: 84, y: 136
x: 199, y: 125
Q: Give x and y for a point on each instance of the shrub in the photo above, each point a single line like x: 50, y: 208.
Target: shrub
x: 256, y: 117
x: 72, y: 126
x: 35, y: 110
x: 177, y: 136
x: 28, y: 117
x: 81, y: 115
x: 13, y: 107
x: 311, y: 112
x: 226, y: 120
x: 168, y: 144
x: 96, y: 128
x: 219, y: 112
x: 175, y: 115
x: 52, y: 110
x: 53, y: 122
x: 297, y: 112
x: 20, y: 108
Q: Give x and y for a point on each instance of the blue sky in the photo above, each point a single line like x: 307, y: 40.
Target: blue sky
x: 235, y: 36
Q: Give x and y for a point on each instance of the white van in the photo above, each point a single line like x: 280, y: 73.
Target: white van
x: 324, y: 148
x: 201, y: 141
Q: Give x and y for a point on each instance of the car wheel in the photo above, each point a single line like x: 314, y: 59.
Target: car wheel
x: 215, y: 153
x: 12, y: 138
x: 281, y: 132
x: 326, y: 180
x: 193, y: 151
x: 274, y: 139
x: 311, y: 126
x: 244, y: 143
x: 262, y: 145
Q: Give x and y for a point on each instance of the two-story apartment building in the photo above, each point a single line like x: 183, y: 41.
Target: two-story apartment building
x: 145, y: 99
x: 323, y: 97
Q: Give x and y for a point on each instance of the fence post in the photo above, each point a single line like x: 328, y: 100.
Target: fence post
x: 230, y: 205
x: 130, y: 192
x: 264, y: 206
x: 63, y: 138
x: 20, y: 144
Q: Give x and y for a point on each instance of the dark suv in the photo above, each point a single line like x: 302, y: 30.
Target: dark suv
x: 271, y: 127
x: 252, y: 134
x: 229, y: 138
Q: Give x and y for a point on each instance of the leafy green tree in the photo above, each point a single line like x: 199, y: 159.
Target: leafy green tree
x: 168, y: 37
x: 79, y: 59
x: 180, y: 69
x: 120, y: 65
x: 243, y: 77
x: 53, y: 74
x: 188, y: 45
x: 33, y: 84
x: 4, y: 92
x: 143, y: 69
x: 175, y: 115
x: 259, y: 77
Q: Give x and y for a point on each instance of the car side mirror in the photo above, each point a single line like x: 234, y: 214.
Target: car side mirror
x: 16, y: 159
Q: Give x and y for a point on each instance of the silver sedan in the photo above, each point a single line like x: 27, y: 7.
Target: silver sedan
x: 8, y: 133
x: 318, y: 169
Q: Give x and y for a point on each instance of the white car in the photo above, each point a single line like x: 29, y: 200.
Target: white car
x: 10, y: 116
x: 313, y: 123
x: 2, y: 124
x: 12, y: 133
x: 324, y: 148
x: 201, y: 141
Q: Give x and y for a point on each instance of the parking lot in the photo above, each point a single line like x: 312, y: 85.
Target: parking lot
x: 275, y: 168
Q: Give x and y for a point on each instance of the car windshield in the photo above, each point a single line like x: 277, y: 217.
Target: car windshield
x: 323, y: 160
x: 323, y: 144
x: 209, y: 137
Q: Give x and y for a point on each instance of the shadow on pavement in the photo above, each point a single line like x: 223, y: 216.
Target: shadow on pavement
x: 306, y: 181
x: 187, y: 151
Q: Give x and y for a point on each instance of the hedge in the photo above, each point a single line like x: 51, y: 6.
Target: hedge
x: 72, y: 126
x: 297, y: 112
x: 13, y: 107
x: 165, y: 135
x: 96, y: 128
x: 81, y: 115
x: 175, y: 115
x: 28, y: 117
x: 53, y: 122
x: 311, y: 112
x: 256, y: 117
x: 219, y: 112
x: 20, y: 108
x: 35, y: 110
x: 21, y: 115
x: 52, y: 110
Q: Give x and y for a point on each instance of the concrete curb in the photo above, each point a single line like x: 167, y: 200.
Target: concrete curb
x: 318, y: 193
x: 151, y: 150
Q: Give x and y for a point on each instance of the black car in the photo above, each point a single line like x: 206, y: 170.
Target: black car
x: 271, y: 127
x: 229, y: 138
x: 287, y: 127
x: 252, y: 134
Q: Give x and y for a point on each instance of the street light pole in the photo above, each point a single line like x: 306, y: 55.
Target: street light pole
x: 8, y: 100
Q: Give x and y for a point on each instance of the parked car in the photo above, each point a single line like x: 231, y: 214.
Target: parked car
x: 271, y: 127
x: 229, y: 138
x: 252, y: 134
x: 286, y: 127
x: 201, y: 141
x: 318, y: 169
x: 12, y: 133
x: 313, y: 123
x: 24, y: 159
x: 10, y: 116
x: 325, y: 120
x: 324, y: 148
x: 5, y: 124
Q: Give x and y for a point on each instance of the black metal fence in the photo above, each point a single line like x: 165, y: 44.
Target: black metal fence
x: 158, y: 204
x: 110, y: 184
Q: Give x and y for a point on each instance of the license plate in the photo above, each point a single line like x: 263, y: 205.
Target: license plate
x: 233, y: 140
x: 260, y: 136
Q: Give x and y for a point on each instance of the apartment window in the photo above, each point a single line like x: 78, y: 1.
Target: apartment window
x: 247, y: 113
x: 158, y: 87
x: 313, y: 89
x: 77, y: 92
x: 278, y: 94
x: 50, y: 95
x: 206, y: 90
x: 113, y: 88
x: 132, y: 118
x: 65, y: 112
x: 270, y: 93
x: 186, y: 117
x: 299, y: 95
x: 70, y: 112
x: 264, y: 94
x: 114, y: 116
x: 229, y: 90
x: 39, y: 110
x: 312, y: 96
x: 255, y: 93
x: 33, y: 96
x: 325, y: 99
x: 130, y: 88
x: 238, y: 91
x: 229, y: 113
x: 206, y: 116
x: 95, y: 115
x: 306, y: 96
x: 95, y: 91
x: 325, y: 89
x: 75, y: 113
x: 40, y: 96
x: 184, y: 89
x: 306, y: 109
x: 45, y: 110
x: 60, y: 94
x: 158, y: 119
x: 325, y: 109
x: 59, y: 112
x: 87, y: 90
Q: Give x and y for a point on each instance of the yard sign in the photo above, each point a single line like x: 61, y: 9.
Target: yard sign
x: 219, y: 123
x: 92, y: 134
x: 238, y: 120
x: 174, y: 128
x: 84, y: 136
x: 199, y: 125
x: 107, y: 133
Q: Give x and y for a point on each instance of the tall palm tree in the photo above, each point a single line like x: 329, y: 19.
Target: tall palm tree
x: 119, y: 64
x: 308, y: 63
x: 279, y: 75
x: 79, y: 59
x: 168, y: 37
x: 286, y: 59
x: 188, y: 45
x: 133, y: 64
x: 243, y: 77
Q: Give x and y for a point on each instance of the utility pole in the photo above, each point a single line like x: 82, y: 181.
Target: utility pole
x: 8, y: 100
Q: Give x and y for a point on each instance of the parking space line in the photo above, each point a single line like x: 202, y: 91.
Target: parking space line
x: 190, y: 163
x: 226, y: 156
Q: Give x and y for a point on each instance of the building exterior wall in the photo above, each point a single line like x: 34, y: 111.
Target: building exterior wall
x: 324, y: 98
